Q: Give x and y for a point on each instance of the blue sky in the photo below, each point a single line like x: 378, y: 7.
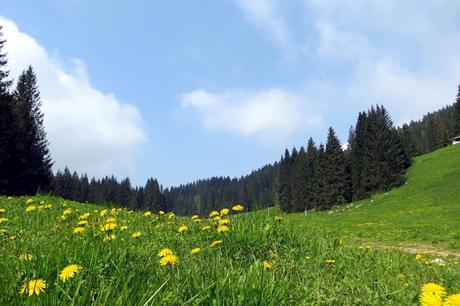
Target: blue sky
x: 182, y: 90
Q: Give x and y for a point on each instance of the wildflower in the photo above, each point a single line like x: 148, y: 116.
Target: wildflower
x: 161, y: 213
x: 223, y: 229
x: 452, y: 300
x: 110, y: 220
x: 213, y: 214
x: 430, y: 300
x: 307, y: 257
x: 2, y: 210
x: 3, y: 231
x: 25, y: 257
x: 195, y: 250
x: 224, y: 222
x: 216, y: 243
x: 206, y: 228
x: 182, y: 228
x: 194, y: 217
x: 431, y: 289
x: 67, y: 211
x: 238, y: 207
x: 272, y: 254
x: 224, y: 211
x: 171, y: 215
x: 78, y: 230
x: 31, y: 208
x: 109, y: 226
x: 82, y: 222
x: 36, y: 286
x: 330, y: 261
x: 170, y: 259
x: 123, y: 228
x: 165, y: 252
x: 103, y: 212
x: 110, y: 237
x: 84, y: 216
x: 69, y: 272
x: 136, y: 234
x: 279, y: 218
x: 266, y: 265
x: 3, y: 220
x: 29, y: 200
x: 148, y: 213
x: 10, y: 198
x: 217, y: 218
x: 418, y: 257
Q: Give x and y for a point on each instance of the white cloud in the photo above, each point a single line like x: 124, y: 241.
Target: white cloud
x: 270, y: 116
x: 88, y: 130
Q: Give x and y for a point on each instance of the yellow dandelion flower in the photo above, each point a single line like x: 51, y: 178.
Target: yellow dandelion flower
x: 330, y: 261
x: 84, y: 216
x: 164, y: 252
x: 2, y: 210
x: 123, y: 228
x: 41, y: 207
x: 224, y: 222
x: 171, y: 215
x: 169, y: 260
x: 26, y: 257
x: 434, y: 289
x: 29, y: 200
x: 194, y: 217
x: 267, y: 265
x: 307, y: 257
x: 217, y: 218
x: 67, y: 211
x: 110, y: 237
x: 418, y: 257
x: 452, y: 300
x: 206, y: 228
x: 148, y: 213
x: 36, y: 286
x: 224, y: 211
x: 441, y: 264
x: 195, y: 250
x: 110, y: 220
x: 238, y: 207
x: 161, y: 213
x: 136, y: 234
x: 31, y: 208
x: 69, y: 272
x: 197, y: 220
x: 279, y: 218
x: 427, y: 299
x: 103, y: 212
x: 109, y: 226
x: 223, y: 229
x: 213, y: 214
x: 82, y: 222
x: 10, y: 198
x: 216, y: 243
x: 182, y: 228
x: 78, y: 230
x: 3, y: 231
x: 3, y: 220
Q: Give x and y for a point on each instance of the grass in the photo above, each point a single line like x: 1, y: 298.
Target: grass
x: 126, y: 270
x: 425, y: 211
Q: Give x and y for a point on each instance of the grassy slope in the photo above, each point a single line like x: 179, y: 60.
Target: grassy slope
x: 426, y: 210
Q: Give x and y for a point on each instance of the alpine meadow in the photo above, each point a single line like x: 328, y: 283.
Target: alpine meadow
x: 256, y: 163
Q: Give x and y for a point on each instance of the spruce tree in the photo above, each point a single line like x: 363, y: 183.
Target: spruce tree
x: 356, y: 144
x: 284, y: 183
x: 319, y: 180
x: 35, y: 169
x: 299, y: 191
x: 457, y: 114
x: 311, y: 161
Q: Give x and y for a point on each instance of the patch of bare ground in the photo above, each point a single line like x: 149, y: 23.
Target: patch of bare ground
x: 419, y: 249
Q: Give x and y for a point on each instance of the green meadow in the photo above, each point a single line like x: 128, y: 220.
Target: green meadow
x: 262, y: 258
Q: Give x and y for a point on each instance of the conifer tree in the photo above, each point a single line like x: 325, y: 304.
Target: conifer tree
x: 356, y: 143
x: 456, y: 115
x: 311, y: 160
x: 299, y: 191
x: 284, y: 184
x: 319, y: 180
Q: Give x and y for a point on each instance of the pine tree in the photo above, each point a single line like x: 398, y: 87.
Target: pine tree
x: 356, y: 144
x: 319, y: 181
x: 456, y: 116
x: 35, y: 170
x: 153, y: 198
x: 299, y: 191
x: 284, y: 182
x: 311, y: 160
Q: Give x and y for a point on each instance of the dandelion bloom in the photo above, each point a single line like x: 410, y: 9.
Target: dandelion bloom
x: 430, y: 300
x: 31, y: 208
x: 36, y: 286
x: 170, y: 260
x: 136, y: 234
x: 30, y: 200
x: 109, y: 226
x: 266, y: 265
x: 67, y: 211
x: 110, y: 237
x: 123, y: 228
x: 2, y: 210
x: 161, y: 213
x: 148, y: 213
x: 195, y: 250
x: 84, y: 216
x: 418, y: 257
x: 224, y: 222
x: 206, y: 228
x: 223, y: 229
x: 216, y: 243
x: 224, y: 211
x: 103, y: 212
x: 165, y: 252
x: 171, y: 215
x: 3, y: 220
x: 213, y: 214
x: 110, y: 220
x: 182, y: 228
x: 452, y: 300
x: 3, y: 231
x: 433, y: 289
x: 26, y: 257
x: 238, y: 207
x: 194, y: 217
x: 78, y: 230
x: 330, y: 261
x: 69, y: 272
x: 82, y: 222
x: 279, y: 218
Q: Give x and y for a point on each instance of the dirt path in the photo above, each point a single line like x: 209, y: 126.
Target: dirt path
x: 419, y: 249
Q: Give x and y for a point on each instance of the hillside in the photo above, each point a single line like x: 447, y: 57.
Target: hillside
x: 425, y: 211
